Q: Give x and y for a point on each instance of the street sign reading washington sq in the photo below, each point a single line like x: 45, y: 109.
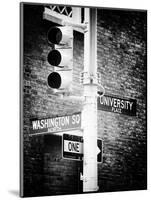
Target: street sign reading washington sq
x: 56, y: 124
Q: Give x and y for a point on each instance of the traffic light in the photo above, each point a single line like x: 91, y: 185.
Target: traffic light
x: 60, y: 57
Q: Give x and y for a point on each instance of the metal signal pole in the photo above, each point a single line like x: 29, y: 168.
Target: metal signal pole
x: 89, y: 113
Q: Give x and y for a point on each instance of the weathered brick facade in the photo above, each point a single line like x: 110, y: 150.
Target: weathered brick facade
x: 122, y: 63
x: 121, y: 58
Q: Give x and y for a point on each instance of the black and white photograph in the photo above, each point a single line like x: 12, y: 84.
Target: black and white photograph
x: 75, y: 99
x: 83, y: 99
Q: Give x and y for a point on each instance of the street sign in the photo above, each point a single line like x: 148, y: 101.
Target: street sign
x: 117, y: 105
x: 56, y: 124
x: 72, y: 147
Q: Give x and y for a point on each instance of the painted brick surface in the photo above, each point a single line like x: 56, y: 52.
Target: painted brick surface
x: 122, y: 63
x: 121, y: 58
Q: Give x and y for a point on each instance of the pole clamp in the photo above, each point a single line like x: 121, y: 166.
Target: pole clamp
x: 87, y: 78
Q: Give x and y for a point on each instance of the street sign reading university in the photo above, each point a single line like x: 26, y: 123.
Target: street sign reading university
x: 117, y: 105
x: 56, y: 124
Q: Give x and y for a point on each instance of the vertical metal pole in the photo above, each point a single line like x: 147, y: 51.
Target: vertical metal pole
x: 89, y: 113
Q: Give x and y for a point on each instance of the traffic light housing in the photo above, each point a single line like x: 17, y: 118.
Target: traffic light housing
x: 60, y: 57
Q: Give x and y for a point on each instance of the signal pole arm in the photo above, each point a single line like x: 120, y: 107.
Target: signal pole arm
x: 75, y: 25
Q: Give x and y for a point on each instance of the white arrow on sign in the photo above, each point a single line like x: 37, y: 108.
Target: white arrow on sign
x: 98, y: 150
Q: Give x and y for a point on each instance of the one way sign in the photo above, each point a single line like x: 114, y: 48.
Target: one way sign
x: 99, y: 150
x: 73, y: 147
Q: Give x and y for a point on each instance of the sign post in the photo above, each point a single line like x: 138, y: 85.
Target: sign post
x: 89, y: 113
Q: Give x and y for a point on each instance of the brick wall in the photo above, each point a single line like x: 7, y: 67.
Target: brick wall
x: 122, y: 62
